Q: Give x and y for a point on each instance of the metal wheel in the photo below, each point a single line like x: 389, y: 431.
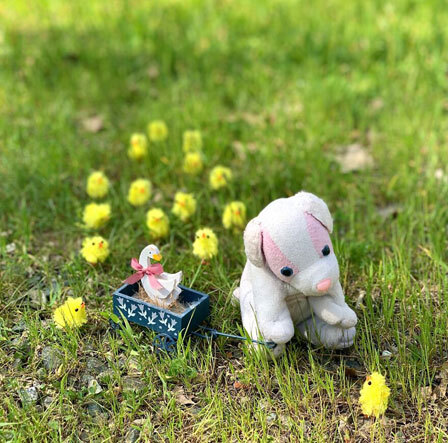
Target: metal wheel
x: 164, y: 342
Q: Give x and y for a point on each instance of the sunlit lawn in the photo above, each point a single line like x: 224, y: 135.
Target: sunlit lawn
x: 279, y: 90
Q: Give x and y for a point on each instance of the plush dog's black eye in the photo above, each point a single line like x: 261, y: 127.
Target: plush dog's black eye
x: 326, y: 250
x: 287, y: 272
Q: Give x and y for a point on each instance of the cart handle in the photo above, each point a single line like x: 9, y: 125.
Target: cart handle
x: 214, y: 333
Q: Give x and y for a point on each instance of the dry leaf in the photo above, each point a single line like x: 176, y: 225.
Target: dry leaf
x: 10, y: 248
x: 360, y: 299
x: 181, y: 398
x: 355, y: 158
x: 389, y: 211
x: 153, y: 71
x: 426, y: 392
x: 93, y: 124
x: 238, y: 386
x: 376, y: 104
x: 239, y: 149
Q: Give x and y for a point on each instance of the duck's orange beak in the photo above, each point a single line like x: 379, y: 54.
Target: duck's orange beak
x: 157, y: 257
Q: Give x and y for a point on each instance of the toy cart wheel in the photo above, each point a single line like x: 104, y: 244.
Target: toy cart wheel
x: 164, y: 342
x: 114, y: 326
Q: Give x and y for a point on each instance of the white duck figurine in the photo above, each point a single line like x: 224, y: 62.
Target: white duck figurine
x: 168, y: 288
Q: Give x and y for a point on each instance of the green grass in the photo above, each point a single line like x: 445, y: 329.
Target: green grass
x: 293, y: 81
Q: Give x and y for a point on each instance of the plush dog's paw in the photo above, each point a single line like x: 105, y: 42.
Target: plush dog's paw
x: 350, y: 320
x: 279, y: 332
x: 339, y: 338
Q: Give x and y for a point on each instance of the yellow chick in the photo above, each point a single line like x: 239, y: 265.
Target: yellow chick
x: 71, y: 313
x: 139, y: 192
x: 158, y: 223
x: 184, y: 205
x: 97, y: 184
x: 193, y: 163
x: 374, y: 395
x: 157, y: 131
x: 138, y: 148
x: 95, y: 249
x: 234, y: 216
x: 205, y: 245
x: 220, y: 177
x: 96, y: 215
x: 192, y: 141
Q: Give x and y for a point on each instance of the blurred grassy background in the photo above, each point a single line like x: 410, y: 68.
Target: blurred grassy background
x: 279, y: 89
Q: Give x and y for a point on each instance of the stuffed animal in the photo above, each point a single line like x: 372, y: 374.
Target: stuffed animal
x: 291, y: 277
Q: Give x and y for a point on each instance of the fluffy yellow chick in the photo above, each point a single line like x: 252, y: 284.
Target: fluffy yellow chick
x: 234, y: 216
x: 205, y: 245
x: 139, y: 192
x: 95, y: 249
x: 158, y: 223
x: 157, y: 131
x: 192, y: 141
x: 138, y: 148
x: 193, y: 163
x: 71, y: 313
x: 374, y: 395
x: 97, y: 184
x: 184, y: 205
x: 96, y: 215
x: 220, y: 177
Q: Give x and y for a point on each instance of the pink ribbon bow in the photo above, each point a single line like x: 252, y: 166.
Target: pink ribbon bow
x: 151, y: 271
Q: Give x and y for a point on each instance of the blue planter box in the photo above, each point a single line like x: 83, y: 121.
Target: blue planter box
x: 159, y: 319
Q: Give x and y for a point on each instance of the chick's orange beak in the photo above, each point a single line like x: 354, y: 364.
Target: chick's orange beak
x: 204, y: 236
x: 83, y: 305
x: 368, y: 378
x: 157, y: 257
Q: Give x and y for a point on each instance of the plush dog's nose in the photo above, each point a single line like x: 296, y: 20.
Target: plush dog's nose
x: 324, y: 285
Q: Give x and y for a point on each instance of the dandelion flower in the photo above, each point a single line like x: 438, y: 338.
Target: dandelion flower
x: 157, y: 131
x: 193, y: 163
x: 184, y: 205
x: 205, y: 245
x: 96, y: 215
x: 138, y: 148
x: 192, y: 141
x: 158, y: 223
x: 234, y: 216
x: 220, y: 176
x: 139, y: 192
x: 71, y: 313
x: 97, y: 185
x: 95, y: 249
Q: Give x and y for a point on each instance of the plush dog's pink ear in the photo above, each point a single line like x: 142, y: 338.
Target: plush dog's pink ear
x: 253, y: 243
x: 317, y: 208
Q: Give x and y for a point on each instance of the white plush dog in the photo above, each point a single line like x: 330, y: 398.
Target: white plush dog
x: 292, y: 276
